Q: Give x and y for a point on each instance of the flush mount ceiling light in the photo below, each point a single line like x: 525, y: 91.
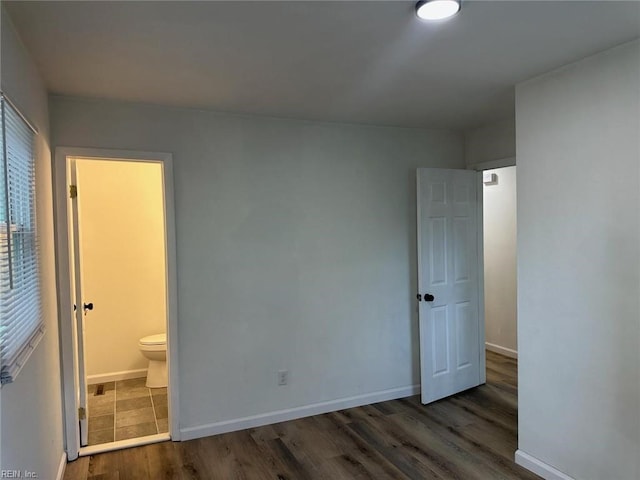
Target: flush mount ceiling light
x: 437, y: 9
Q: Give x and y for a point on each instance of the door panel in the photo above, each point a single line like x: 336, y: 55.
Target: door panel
x: 464, y: 348
x: 437, y: 251
x: 448, y: 258
x: 79, y: 312
x: 440, y: 336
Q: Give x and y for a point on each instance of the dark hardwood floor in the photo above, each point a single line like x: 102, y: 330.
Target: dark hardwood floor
x: 472, y: 435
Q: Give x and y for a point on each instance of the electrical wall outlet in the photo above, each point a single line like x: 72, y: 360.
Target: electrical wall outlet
x: 283, y: 377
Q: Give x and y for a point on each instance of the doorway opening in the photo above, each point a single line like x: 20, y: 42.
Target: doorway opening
x: 500, y: 287
x: 117, y: 298
x: 466, y: 223
x: 500, y: 283
x: 119, y: 251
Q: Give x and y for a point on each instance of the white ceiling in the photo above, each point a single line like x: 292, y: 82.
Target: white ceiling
x: 364, y: 62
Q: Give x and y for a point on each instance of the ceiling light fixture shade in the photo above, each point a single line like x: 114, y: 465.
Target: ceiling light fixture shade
x: 437, y: 9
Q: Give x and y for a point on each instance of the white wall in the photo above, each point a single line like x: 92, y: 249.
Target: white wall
x: 295, y: 250
x: 579, y: 266
x: 489, y: 143
x: 499, y: 225
x: 31, y: 410
x: 121, y: 217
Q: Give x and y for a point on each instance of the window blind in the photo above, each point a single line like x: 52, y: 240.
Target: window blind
x: 21, y: 324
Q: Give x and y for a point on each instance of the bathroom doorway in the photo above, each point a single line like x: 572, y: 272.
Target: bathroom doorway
x: 500, y: 276
x: 121, y: 300
x: 120, y: 256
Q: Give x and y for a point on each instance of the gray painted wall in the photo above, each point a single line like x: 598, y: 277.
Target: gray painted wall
x: 491, y: 142
x: 295, y: 249
x: 579, y: 266
x: 30, y: 408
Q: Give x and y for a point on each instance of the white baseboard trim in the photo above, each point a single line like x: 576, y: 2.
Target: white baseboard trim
x: 115, y: 376
x: 190, y: 433
x: 539, y: 467
x: 507, y: 352
x: 62, y: 466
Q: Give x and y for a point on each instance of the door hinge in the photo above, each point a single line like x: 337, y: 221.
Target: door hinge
x: 82, y: 413
x: 73, y: 191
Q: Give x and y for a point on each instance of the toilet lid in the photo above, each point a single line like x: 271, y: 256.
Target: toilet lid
x: 157, y: 339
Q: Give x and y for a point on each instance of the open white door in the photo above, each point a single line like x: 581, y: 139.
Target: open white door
x: 449, y: 281
x: 80, y: 307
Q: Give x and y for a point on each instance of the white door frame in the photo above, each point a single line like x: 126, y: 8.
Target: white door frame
x: 68, y: 353
x: 481, y: 320
x: 481, y: 167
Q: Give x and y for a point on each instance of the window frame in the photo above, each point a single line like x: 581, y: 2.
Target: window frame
x: 21, y: 325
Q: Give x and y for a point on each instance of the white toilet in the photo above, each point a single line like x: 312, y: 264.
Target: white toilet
x: 154, y: 347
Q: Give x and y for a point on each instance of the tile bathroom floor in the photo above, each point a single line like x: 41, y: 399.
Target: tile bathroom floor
x: 125, y: 409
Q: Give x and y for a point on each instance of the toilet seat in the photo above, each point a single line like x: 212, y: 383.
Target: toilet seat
x: 157, y: 339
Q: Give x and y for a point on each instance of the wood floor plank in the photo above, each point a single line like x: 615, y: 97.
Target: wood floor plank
x: 286, y: 456
x: 396, y: 449
x: 100, y: 465
x: 262, y: 434
x: 357, y: 452
x: 280, y: 467
x: 452, y: 459
x: 78, y: 469
x: 194, y: 457
x: 345, y: 466
x: 472, y: 451
x: 249, y: 463
x: 310, y: 447
x: 162, y: 461
x: 133, y: 464
x: 469, y: 436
